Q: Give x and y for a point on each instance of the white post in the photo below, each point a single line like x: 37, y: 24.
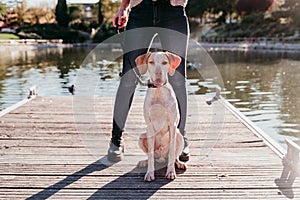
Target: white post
x: 290, y: 163
x: 32, y: 92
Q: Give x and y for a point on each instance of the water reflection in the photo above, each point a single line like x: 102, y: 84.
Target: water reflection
x: 50, y: 69
x: 263, y: 85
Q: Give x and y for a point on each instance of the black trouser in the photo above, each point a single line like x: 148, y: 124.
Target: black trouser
x: 171, y: 25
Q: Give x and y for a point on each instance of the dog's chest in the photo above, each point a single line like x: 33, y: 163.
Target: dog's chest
x: 160, y: 96
x: 160, y: 108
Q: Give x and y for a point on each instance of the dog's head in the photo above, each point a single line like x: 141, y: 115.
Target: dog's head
x: 159, y: 64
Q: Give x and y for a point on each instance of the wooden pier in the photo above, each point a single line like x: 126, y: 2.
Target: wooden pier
x: 55, y: 147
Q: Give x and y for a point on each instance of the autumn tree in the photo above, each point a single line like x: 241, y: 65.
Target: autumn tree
x: 3, y: 11
x: 37, y: 15
x: 109, y: 9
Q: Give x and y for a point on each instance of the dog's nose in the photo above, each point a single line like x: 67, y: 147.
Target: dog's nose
x: 158, y: 80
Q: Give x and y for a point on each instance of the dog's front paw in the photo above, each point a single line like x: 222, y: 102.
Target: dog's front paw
x: 149, y: 176
x: 171, y: 174
x: 180, y: 165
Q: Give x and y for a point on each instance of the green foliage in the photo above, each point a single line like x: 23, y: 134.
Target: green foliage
x: 50, y: 31
x: 196, y: 8
x: 253, y: 19
x: 75, y: 12
x: 238, y: 33
x: 69, y: 35
x: 223, y: 7
x: 254, y: 25
x: 253, y: 6
x: 107, y: 30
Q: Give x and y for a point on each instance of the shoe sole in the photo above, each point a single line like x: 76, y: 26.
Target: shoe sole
x: 184, y: 158
x: 114, y: 158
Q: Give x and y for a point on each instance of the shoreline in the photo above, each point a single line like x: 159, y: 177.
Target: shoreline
x: 31, y: 44
x: 248, y: 46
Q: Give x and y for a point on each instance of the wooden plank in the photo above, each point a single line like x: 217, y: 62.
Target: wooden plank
x: 153, y: 194
x: 49, y: 149
x: 15, y: 106
x: 255, y: 129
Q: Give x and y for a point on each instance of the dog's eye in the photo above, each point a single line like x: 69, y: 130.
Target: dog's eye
x: 151, y: 62
x: 164, y: 62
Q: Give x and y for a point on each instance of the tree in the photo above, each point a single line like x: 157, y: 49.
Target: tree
x: 37, y: 15
x: 223, y: 8
x: 196, y: 8
x: 61, y: 13
x: 109, y: 9
x: 251, y: 6
x: 3, y: 11
x: 75, y: 12
x: 21, y: 10
x: 100, y: 15
x: 293, y: 9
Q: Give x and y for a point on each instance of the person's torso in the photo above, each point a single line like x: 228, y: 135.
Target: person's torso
x: 183, y: 3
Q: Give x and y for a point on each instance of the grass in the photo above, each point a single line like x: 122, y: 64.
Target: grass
x: 8, y: 36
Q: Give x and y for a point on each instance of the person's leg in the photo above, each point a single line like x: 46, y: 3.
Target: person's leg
x: 122, y: 105
x: 136, y: 42
x: 179, y: 85
x: 175, y: 40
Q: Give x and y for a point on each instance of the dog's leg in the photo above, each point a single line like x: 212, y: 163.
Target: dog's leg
x: 150, y: 141
x: 171, y: 173
x: 144, y: 146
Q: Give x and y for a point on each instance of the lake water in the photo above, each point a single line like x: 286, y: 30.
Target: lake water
x: 263, y: 85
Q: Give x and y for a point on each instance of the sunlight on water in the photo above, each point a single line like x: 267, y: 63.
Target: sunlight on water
x: 264, y: 87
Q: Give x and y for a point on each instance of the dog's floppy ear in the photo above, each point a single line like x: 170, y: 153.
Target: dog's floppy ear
x: 141, y: 62
x: 174, y: 62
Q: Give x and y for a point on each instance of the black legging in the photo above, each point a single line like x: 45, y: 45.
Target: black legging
x: 171, y: 25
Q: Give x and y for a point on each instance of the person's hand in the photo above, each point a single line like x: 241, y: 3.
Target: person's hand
x: 120, y: 19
